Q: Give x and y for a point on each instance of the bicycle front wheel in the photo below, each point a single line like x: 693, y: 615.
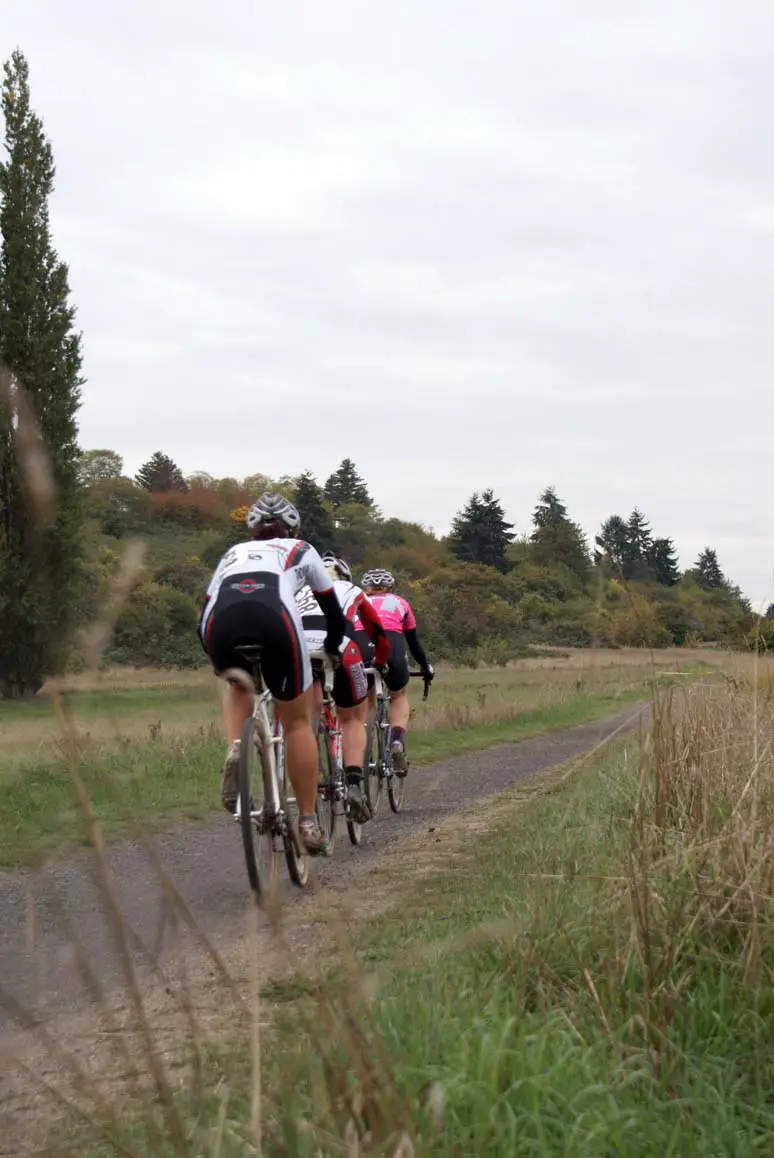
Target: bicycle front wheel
x: 372, y: 765
x: 327, y: 786
x: 256, y: 820
x: 295, y: 854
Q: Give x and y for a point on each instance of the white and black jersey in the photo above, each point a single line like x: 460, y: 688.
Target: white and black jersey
x: 246, y: 566
x: 251, y: 601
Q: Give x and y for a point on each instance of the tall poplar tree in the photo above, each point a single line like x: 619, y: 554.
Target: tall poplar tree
x: 40, y: 357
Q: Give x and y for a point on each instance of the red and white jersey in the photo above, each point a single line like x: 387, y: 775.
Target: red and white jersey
x: 296, y: 563
x: 348, y: 594
x: 357, y: 609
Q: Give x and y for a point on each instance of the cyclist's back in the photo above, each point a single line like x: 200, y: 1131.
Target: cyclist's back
x: 394, y: 611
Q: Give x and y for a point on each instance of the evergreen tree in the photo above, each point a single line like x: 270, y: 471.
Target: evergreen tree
x: 662, y: 561
x: 41, y: 353
x: 769, y: 612
x: 639, y: 546
x: 316, y: 522
x: 480, y: 533
x: 345, y: 486
x: 556, y: 539
x: 613, y: 544
x: 707, y: 571
x: 550, y: 510
x: 161, y: 473
x: 98, y: 466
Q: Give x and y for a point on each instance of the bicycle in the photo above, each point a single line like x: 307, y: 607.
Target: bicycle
x: 266, y: 811
x: 332, y: 787
x: 377, y: 767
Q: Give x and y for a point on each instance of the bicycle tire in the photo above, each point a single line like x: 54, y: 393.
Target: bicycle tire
x: 326, y: 788
x: 263, y: 862
x: 396, y: 786
x: 372, y: 780
x: 354, y: 827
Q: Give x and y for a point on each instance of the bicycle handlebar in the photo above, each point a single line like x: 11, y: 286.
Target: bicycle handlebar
x: 420, y: 675
x: 415, y: 675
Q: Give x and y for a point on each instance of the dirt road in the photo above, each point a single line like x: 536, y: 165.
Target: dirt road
x: 42, y: 913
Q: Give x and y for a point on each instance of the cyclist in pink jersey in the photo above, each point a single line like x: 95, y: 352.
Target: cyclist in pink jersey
x: 400, y: 626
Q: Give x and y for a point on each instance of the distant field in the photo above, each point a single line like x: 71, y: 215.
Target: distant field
x: 148, y: 744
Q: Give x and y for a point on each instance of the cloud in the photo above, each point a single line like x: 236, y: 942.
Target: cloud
x: 473, y: 245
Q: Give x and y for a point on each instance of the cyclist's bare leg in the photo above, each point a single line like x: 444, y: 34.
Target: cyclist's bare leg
x: 301, y: 750
x: 353, y: 742
x: 400, y: 709
x: 400, y: 712
x: 353, y: 733
x: 237, y: 706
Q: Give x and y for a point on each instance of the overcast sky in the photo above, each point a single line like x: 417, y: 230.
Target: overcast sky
x: 469, y: 245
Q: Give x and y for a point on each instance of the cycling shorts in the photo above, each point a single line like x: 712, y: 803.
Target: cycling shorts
x: 350, y: 686
x: 244, y: 616
x: 398, y: 666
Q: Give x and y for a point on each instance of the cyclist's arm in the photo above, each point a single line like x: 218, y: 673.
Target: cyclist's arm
x: 412, y: 639
x: 208, y: 594
x: 415, y: 647
x: 369, y: 617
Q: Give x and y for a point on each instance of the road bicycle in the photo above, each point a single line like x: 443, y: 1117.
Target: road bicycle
x: 377, y: 769
x: 266, y: 810
x: 332, y: 788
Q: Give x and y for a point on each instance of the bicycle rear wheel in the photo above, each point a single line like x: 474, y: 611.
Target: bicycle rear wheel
x: 256, y: 821
x: 396, y: 785
x: 372, y: 779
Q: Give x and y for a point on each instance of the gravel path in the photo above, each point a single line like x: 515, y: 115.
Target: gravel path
x: 41, y: 913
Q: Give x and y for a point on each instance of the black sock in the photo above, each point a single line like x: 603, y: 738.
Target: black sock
x: 398, y: 735
x: 354, y: 774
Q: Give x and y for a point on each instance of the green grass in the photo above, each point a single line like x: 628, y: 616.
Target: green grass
x: 427, y: 746
x: 563, y: 977
x: 517, y: 976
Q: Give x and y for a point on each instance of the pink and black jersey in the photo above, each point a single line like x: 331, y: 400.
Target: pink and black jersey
x: 394, y: 612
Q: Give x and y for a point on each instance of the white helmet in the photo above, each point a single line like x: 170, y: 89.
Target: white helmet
x: 273, y: 508
x: 338, y: 566
x: 379, y: 578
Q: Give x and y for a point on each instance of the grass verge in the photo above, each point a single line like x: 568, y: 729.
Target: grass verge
x: 582, y: 968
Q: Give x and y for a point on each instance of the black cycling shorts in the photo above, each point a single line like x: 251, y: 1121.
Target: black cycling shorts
x: 259, y: 619
x: 398, y: 666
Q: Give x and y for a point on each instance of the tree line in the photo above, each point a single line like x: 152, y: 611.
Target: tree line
x: 481, y: 593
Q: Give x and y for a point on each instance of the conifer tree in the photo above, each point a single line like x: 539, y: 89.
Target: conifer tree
x: 480, y: 532
x: 345, y: 486
x: 40, y: 359
x: 161, y: 473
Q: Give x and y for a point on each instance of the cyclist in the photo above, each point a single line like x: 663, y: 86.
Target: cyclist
x: 351, y: 701
x: 250, y: 600
x: 401, y: 627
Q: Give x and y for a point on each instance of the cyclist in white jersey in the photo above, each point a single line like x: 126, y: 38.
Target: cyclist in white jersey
x: 250, y: 600
x: 370, y: 644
